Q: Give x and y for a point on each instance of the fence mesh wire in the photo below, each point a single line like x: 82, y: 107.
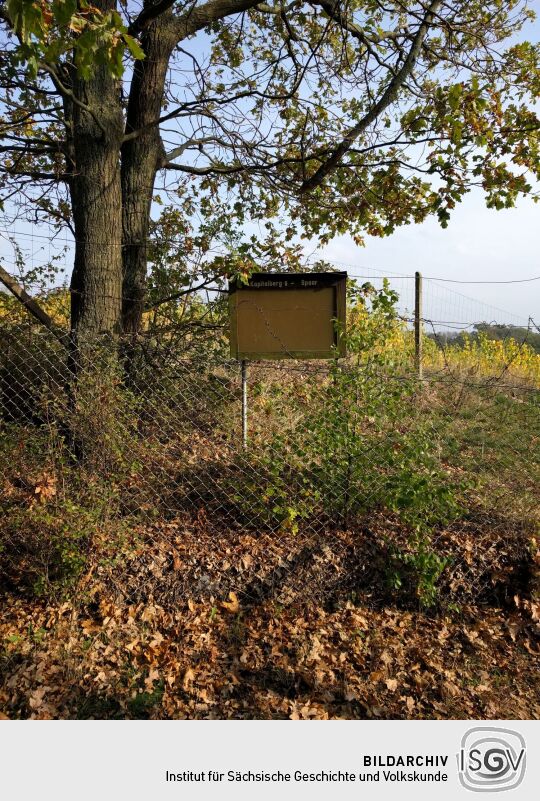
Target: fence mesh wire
x: 356, y: 475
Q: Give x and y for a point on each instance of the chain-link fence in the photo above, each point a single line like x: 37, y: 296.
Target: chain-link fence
x: 355, y: 475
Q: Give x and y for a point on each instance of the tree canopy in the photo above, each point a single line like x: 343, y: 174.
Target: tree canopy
x: 312, y: 118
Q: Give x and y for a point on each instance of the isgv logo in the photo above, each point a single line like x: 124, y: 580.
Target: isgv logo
x: 491, y: 759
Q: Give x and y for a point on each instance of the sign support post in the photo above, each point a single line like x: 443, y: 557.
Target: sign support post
x: 244, y: 405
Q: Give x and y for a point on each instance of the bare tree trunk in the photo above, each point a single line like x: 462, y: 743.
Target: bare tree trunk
x: 97, y: 131
x: 141, y: 157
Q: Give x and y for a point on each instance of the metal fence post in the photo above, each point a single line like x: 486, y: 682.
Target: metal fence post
x: 244, y: 404
x: 418, y: 324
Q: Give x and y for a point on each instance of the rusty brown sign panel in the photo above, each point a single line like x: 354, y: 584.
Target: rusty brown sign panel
x: 288, y: 316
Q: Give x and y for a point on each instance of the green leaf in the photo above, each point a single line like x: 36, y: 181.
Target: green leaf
x: 133, y: 46
x: 63, y: 10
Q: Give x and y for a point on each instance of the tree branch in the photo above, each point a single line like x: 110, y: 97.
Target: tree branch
x: 332, y: 9
x: 33, y: 307
x: 182, y: 293
x: 198, y: 17
x: 147, y: 15
x: 388, y: 97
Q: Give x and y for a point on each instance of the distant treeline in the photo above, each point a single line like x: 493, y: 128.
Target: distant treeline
x: 491, y: 331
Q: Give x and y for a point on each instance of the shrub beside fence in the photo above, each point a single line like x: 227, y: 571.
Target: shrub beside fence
x: 434, y: 480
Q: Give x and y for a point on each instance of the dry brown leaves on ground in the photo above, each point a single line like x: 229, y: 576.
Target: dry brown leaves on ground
x: 203, y: 624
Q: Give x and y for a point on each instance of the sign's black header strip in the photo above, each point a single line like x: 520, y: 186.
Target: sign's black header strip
x: 288, y: 281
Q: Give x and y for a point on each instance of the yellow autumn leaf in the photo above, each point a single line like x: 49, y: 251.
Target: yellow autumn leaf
x: 232, y: 605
